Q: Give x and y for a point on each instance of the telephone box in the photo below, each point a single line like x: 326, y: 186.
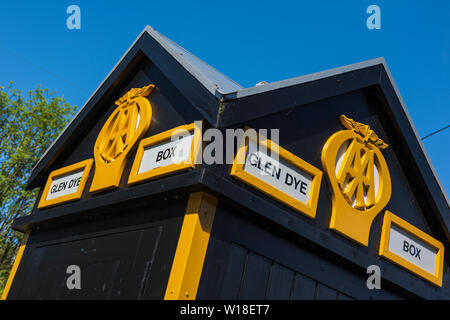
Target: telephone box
x: 174, y: 182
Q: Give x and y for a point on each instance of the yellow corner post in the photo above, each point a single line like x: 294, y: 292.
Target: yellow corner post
x: 19, y: 255
x: 191, y: 249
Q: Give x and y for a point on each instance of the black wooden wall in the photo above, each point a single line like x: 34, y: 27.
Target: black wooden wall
x: 124, y: 253
x: 249, y: 258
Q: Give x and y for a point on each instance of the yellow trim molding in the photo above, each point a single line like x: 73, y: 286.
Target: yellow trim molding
x: 82, y: 165
x: 15, y: 266
x: 238, y: 171
x: 165, y: 136
x: 191, y: 249
x: 390, y: 218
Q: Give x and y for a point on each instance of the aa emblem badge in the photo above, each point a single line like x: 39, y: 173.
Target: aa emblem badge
x: 359, y: 178
x: 120, y: 133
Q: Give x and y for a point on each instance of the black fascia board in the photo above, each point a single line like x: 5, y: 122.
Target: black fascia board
x: 118, y: 197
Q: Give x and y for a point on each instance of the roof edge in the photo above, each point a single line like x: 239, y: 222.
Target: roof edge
x: 87, y: 102
x: 303, y: 79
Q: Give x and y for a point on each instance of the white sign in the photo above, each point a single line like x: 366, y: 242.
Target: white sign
x: 64, y: 185
x: 278, y: 173
x: 166, y: 153
x: 412, y: 249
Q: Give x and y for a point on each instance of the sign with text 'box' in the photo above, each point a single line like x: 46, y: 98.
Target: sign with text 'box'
x: 165, y: 153
x: 411, y: 248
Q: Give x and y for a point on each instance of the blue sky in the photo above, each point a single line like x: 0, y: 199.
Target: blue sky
x: 249, y: 41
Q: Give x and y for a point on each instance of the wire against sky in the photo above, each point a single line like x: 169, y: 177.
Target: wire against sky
x: 437, y: 131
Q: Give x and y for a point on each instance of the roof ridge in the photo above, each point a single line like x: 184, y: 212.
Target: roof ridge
x: 209, y: 76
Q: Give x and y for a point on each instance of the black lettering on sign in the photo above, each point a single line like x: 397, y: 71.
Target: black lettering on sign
x: 297, y: 183
x: 411, y: 249
x: 253, y: 159
x: 167, y: 153
x: 289, y: 180
x: 54, y: 189
x: 74, y: 182
x: 303, y: 188
x: 276, y: 172
x: 268, y: 167
x: 405, y: 246
x: 62, y: 186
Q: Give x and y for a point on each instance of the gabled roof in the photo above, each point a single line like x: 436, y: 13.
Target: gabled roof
x: 161, y: 51
x: 225, y: 103
x: 212, y: 79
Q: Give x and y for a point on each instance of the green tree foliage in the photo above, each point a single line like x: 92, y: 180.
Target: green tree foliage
x: 28, y: 125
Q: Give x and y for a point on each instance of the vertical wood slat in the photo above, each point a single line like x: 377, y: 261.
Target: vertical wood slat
x: 234, y: 273
x: 304, y: 288
x: 256, y: 277
x: 281, y: 282
x: 325, y: 293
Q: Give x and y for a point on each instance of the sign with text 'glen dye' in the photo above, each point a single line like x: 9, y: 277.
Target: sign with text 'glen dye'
x: 279, y: 174
x: 412, y: 249
x: 65, y: 184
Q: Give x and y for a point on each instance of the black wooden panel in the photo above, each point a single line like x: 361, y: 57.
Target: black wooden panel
x: 137, y: 255
x: 325, y: 293
x: 304, y: 288
x: 214, y: 270
x: 281, y: 283
x: 234, y: 272
x: 236, y: 226
x: 256, y: 277
x: 342, y: 296
x: 112, y: 266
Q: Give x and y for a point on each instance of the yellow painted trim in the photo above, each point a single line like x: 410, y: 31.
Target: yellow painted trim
x: 191, y: 249
x: 135, y: 177
x: 15, y: 266
x: 86, y: 164
x: 237, y: 170
x: 390, y: 218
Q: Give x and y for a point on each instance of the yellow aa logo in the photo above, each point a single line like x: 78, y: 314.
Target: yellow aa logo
x: 356, y: 176
x: 359, y: 177
x: 120, y: 132
x: 123, y: 129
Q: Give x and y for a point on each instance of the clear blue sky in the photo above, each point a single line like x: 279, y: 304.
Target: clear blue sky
x: 247, y: 41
